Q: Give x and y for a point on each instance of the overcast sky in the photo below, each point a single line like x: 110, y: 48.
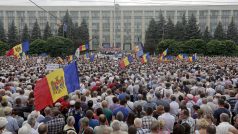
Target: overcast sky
x: 121, y: 2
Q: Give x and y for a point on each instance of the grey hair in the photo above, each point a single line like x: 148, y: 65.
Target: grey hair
x: 224, y: 117
x: 70, y: 120
x: 116, y: 125
x: 31, y: 120
x: 138, y: 122
x: 120, y: 116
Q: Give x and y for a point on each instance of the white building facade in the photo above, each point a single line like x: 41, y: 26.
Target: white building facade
x: 130, y: 22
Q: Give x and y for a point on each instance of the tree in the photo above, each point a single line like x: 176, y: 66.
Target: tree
x: 36, y: 32
x: 2, y: 32
x: 59, y: 46
x: 12, y: 35
x: 232, y: 31
x: 215, y: 47
x: 206, y: 35
x: 194, y: 46
x: 25, y: 33
x: 169, y: 29
x: 151, y: 36
x: 67, y: 27
x: 192, y: 29
x: 83, y: 30
x: 230, y: 47
x: 179, y: 34
x: 171, y: 44
x: 219, y: 33
x: 47, y: 31
x: 38, y: 46
x: 3, y: 48
x: 160, y: 28
x: 184, y: 26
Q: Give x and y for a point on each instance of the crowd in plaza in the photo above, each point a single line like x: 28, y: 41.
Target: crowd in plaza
x: 176, y: 97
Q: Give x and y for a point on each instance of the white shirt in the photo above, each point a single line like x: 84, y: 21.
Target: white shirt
x: 174, y: 108
x: 223, y: 128
x: 169, y: 121
x: 210, y: 91
x: 109, y: 99
x: 130, y: 89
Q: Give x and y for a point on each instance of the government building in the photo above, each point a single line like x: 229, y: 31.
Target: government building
x: 116, y: 26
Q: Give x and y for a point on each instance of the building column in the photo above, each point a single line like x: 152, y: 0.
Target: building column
x: 231, y: 15
x: 132, y: 31
x: 197, y: 17
x: 90, y: 30
x: 219, y: 16
x: 100, y: 30
x: 175, y: 17
x: 122, y: 30
x: 143, y: 27
x: 209, y: 20
x: 112, y: 32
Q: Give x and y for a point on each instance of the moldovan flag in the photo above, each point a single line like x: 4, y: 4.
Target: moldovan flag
x: 145, y: 58
x: 84, y: 47
x: 165, y: 52
x: 18, y: 49
x: 180, y: 57
x: 126, y: 61
x: 56, y: 85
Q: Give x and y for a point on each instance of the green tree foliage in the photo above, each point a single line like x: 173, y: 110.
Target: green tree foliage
x: 169, y: 29
x: 232, y: 31
x: 230, y: 47
x: 59, y: 46
x: 25, y: 33
x: 36, y: 32
x: 215, y: 47
x: 38, y: 46
x: 194, y: 46
x: 179, y: 34
x: 151, y: 37
x: 2, y: 32
x: 192, y: 29
x: 83, y: 32
x: 219, y: 33
x: 160, y: 28
x: 206, y: 35
x: 3, y: 48
x: 12, y: 35
x: 171, y: 44
x: 67, y: 27
x: 184, y: 26
x: 47, y: 31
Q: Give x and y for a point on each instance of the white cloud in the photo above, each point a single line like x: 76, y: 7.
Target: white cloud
x: 121, y: 2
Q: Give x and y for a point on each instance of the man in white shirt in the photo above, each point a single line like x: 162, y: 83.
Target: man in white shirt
x: 174, y: 106
x: 225, y: 127
x: 168, y: 118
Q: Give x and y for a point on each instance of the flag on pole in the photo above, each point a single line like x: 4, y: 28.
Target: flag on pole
x: 145, y: 58
x: 18, y: 49
x: 84, y: 47
x: 126, y: 61
x: 165, y: 52
x: 56, y: 85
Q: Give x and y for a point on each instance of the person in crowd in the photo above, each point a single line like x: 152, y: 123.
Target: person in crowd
x: 42, y: 129
x: 116, y: 128
x: 102, y: 128
x: 224, y: 126
x: 69, y: 127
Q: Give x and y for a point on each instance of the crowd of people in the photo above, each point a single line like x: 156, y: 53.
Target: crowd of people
x: 176, y: 97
